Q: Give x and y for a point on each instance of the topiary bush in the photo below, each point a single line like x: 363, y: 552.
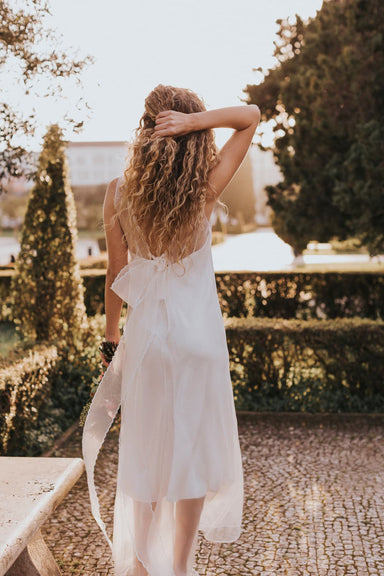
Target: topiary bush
x: 46, y: 289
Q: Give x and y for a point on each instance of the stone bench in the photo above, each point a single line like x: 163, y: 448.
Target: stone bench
x: 30, y: 490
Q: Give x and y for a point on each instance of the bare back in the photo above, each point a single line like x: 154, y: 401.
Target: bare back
x: 137, y: 239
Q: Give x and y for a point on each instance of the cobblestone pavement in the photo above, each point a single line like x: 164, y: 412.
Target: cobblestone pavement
x: 313, y: 506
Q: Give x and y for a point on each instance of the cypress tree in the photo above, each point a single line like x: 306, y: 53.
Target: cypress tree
x: 48, y: 302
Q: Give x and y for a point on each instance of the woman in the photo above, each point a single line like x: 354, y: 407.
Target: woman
x: 179, y: 457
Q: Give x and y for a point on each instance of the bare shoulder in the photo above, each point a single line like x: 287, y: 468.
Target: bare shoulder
x: 112, y: 186
x: 109, y: 199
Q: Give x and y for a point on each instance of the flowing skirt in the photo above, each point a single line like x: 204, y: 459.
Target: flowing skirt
x: 178, y: 434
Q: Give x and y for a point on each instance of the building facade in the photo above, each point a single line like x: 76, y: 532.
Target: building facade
x: 95, y: 163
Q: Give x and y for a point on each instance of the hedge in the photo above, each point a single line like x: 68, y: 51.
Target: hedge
x: 24, y: 387
x: 313, y: 365
x: 276, y: 365
x: 285, y: 294
x: 42, y: 392
x: 281, y: 294
x: 5, y: 289
x: 302, y: 295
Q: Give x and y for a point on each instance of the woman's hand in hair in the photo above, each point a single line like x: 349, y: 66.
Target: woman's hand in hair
x: 173, y: 123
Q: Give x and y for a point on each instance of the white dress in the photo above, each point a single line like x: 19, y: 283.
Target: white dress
x: 178, y: 435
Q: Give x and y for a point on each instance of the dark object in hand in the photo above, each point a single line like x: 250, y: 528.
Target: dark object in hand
x: 108, y: 349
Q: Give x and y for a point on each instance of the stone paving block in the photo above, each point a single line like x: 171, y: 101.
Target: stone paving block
x: 313, y: 505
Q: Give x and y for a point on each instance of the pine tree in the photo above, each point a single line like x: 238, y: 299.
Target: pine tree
x: 47, y: 288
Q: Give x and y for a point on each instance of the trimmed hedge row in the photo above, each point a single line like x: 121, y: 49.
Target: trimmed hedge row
x: 25, y: 386
x: 281, y: 294
x: 42, y: 392
x: 314, y: 365
x: 276, y: 365
x: 302, y: 295
x: 287, y: 294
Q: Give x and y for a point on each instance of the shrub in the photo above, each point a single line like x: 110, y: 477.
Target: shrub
x: 276, y: 365
x: 286, y: 294
x: 5, y: 295
x: 303, y: 295
x: 42, y: 392
x: 24, y: 386
x: 280, y: 294
x: 8, y: 338
x: 94, y: 284
x: 313, y: 365
x: 47, y: 290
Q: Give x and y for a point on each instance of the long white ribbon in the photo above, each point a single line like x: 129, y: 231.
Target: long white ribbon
x: 142, y: 284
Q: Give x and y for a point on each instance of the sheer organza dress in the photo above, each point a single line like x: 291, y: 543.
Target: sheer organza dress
x: 178, y: 434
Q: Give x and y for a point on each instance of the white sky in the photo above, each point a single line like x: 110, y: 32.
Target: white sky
x: 209, y: 46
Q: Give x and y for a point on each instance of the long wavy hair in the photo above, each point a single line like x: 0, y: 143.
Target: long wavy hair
x: 166, y: 180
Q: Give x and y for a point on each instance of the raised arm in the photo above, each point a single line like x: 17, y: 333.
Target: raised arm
x: 173, y: 123
x: 243, y: 119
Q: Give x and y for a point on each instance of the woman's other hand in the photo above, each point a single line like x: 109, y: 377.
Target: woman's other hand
x: 172, y: 123
x: 107, y: 350
x: 104, y: 360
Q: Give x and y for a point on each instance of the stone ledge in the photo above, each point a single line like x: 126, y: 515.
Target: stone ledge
x: 31, y: 489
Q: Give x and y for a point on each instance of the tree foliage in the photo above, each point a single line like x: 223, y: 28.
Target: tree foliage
x: 325, y: 97
x: 48, y: 303
x: 29, y: 50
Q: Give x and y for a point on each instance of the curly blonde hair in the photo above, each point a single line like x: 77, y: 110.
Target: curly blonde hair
x: 166, y: 180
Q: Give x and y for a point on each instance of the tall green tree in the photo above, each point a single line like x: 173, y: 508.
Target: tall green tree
x: 325, y: 97
x: 48, y: 302
x: 24, y: 57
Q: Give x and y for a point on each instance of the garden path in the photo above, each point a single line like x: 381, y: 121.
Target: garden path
x: 313, y: 506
